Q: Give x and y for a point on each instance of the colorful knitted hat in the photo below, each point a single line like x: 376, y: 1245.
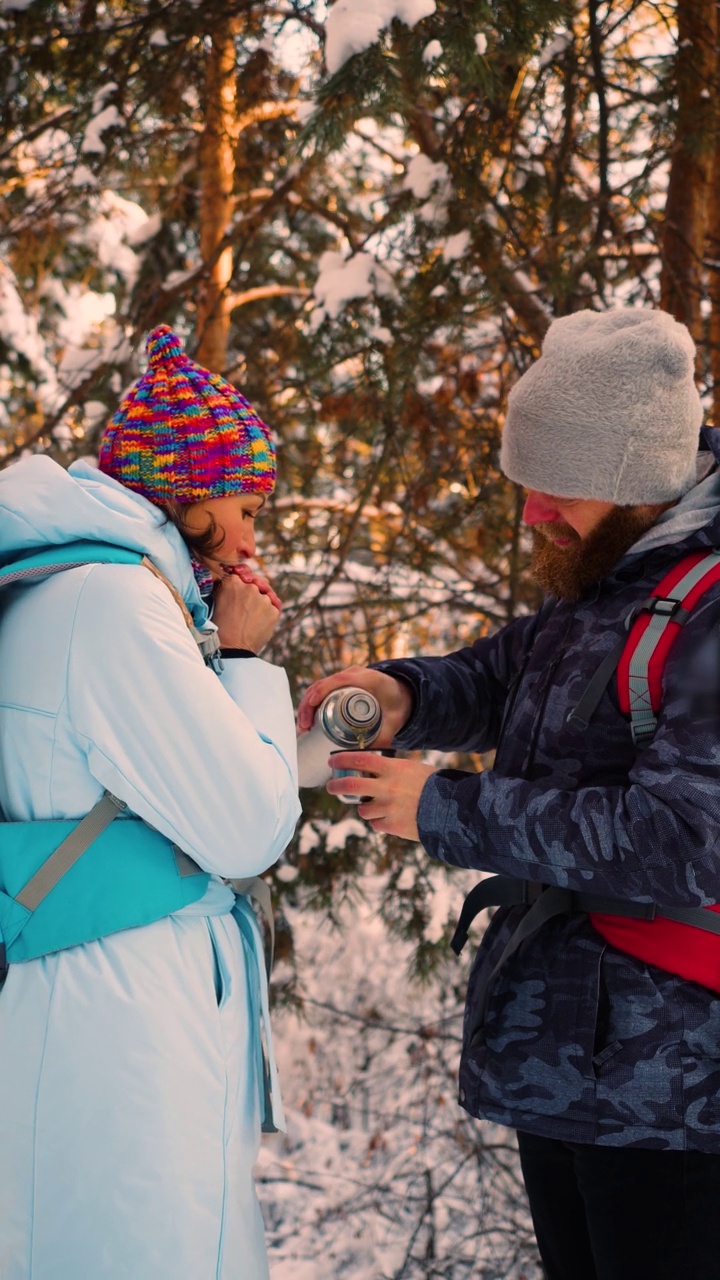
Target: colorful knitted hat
x: 184, y: 434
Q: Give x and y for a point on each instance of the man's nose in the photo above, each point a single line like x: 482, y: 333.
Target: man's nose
x: 540, y: 509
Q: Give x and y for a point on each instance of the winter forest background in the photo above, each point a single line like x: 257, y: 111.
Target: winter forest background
x: 365, y: 216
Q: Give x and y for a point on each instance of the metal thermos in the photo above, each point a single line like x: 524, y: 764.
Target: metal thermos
x: 348, y: 720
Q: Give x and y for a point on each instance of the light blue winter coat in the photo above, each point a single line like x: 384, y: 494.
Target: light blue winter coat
x: 129, y: 1091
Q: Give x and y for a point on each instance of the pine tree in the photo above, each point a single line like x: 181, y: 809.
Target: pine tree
x: 375, y: 279
x: 370, y: 241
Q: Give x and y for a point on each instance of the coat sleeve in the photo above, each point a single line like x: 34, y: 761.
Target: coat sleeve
x: 209, y: 762
x: 459, y: 699
x: 655, y: 839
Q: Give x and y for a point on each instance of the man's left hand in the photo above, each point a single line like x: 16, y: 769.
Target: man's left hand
x: 393, y: 788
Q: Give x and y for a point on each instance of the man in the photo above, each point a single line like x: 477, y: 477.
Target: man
x: 608, y: 1067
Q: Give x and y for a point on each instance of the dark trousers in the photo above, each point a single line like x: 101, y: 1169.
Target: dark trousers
x: 619, y: 1213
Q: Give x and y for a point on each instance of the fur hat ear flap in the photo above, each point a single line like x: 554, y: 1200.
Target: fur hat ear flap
x: 609, y: 411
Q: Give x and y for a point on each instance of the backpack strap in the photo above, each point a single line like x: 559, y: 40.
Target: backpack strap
x: 37, y: 565
x: 639, y: 657
x: 208, y: 642
x: 34, y: 568
x: 654, y: 630
x: 259, y: 890
x: 544, y: 903
x: 42, y: 564
x: 71, y: 849
x: 582, y: 714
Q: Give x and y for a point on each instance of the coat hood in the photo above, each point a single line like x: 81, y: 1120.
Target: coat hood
x: 699, y: 508
x: 691, y: 524
x: 43, y: 505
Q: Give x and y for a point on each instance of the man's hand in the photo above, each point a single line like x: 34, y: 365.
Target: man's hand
x: 393, y: 695
x: 246, y: 610
x: 394, y: 788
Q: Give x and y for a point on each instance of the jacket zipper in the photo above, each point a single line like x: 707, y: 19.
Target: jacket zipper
x: 514, y: 687
x: 540, y: 714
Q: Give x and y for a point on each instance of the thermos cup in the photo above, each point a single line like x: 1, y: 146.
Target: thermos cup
x: 348, y: 720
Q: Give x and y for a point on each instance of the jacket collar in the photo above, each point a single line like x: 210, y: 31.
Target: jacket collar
x: 648, y: 562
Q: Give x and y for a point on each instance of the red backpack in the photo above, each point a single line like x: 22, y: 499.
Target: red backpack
x: 685, y: 949
x: 681, y: 940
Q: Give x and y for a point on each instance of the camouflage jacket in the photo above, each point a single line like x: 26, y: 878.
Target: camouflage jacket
x: 582, y: 1042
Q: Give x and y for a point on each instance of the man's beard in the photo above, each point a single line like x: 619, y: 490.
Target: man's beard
x: 568, y: 571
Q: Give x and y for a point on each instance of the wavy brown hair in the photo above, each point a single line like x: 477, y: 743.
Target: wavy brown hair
x: 202, y: 545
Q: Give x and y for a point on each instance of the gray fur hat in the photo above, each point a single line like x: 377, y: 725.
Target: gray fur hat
x: 609, y: 411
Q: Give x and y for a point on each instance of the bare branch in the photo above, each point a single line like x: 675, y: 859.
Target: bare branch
x: 236, y: 300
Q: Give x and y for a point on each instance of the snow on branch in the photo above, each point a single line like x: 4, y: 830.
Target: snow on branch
x: 423, y: 174
x: 429, y: 180
x: 456, y: 246
x: 92, y: 143
x: 102, y: 118
x: 353, y: 25
x: 341, y: 280
x: 19, y: 331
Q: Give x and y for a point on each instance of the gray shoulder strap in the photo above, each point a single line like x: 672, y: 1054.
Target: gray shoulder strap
x: 67, y: 853
x: 208, y: 642
x: 260, y: 890
x: 664, y: 610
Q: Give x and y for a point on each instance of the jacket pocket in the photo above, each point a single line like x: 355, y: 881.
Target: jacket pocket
x: 222, y: 979
x: 637, y: 1062
x: 542, y: 1027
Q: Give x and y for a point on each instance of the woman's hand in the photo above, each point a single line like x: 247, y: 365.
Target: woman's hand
x: 246, y: 610
x: 393, y: 788
x: 246, y: 574
x: 393, y: 695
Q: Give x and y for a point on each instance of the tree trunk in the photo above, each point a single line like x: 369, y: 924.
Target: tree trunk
x: 217, y: 173
x: 712, y: 257
x: 686, y: 211
x: 712, y: 252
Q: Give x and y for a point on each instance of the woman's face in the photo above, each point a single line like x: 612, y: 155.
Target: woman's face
x: 234, y: 519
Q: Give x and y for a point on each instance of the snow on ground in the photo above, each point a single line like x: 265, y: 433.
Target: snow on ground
x: 353, y: 25
x: 381, y: 1175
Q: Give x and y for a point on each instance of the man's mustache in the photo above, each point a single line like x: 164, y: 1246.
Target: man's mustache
x: 552, y: 530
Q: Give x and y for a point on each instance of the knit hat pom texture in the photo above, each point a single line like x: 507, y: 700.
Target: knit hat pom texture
x: 609, y: 411
x: 184, y: 434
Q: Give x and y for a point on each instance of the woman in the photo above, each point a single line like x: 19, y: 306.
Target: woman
x: 130, y: 1093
